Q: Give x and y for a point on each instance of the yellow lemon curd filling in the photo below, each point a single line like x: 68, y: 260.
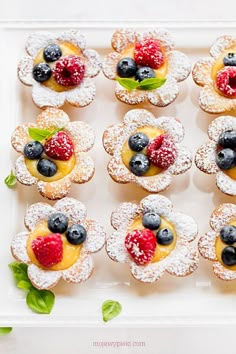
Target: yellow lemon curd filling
x: 220, y: 245
x: 70, y: 253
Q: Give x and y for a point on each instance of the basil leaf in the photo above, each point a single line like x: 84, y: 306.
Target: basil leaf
x: 129, y: 84
x: 5, y: 330
x: 42, y: 134
x: 10, y: 180
x: 19, y: 271
x: 110, y: 309
x: 24, y: 285
x: 151, y: 83
x: 40, y: 301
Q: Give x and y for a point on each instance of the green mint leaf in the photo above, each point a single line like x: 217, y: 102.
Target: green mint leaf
x: 129, y: 84
x: 110, y: 309
x: 151, y: 83
x: 5, y: 330
x: 40, y: 301
x: 42, y: 134
x: 10, y: 180
x: 24, y: 285
x: 19, y: 271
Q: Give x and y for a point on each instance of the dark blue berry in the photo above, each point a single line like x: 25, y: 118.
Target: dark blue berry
x: 228, y: 256
x: 225, y: 159
x: 230, y: 59
x: 139, y: 164
x: 58, y: 223
x: 76, y: 234
x: 227, y: 139
x: 144, y: 73
x: 33, y: 150
x: 42, y: 72
x: 52, y: 52
x: 151, y: 220
x: 46, y: 167
x: 164, y: 237
x: 126, y: 67
x: 228, y: 234
x: 138, y: 141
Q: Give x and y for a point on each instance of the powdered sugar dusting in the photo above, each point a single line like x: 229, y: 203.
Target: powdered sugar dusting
x: 36, y: 213
x: 22, y: 174
x: 43, y: 279
x: 220, y: 125
x: 222, y: 216
x: 95, y: 236
x: 72, y: 208
x: 206, y: 245
x: 202, y: 71
x: 221, y: 44
x: 226, y: 184
x: 222, y: 272
x: 179, y: 66
x: 18, y: 247
x: 81, y: 270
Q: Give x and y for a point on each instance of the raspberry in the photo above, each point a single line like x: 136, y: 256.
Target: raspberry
x: 141, y: 245
x: 162, y: 151
x: 59, y: 146
x: 48, y: 250
x: 69, y: 71
x: 226, y: 81
x: 148, y: 53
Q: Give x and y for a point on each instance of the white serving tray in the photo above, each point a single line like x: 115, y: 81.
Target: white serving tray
x: 200, y: 299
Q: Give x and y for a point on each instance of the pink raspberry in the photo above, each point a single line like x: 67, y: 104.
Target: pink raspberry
x: 162, y: 151
x: 226, y: 81
x: 69, y: 71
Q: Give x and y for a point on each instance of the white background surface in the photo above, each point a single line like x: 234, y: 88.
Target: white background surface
x: 159, y: 341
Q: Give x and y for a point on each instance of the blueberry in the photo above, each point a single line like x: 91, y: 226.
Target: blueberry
x: 33, y: 150
x: 42, y: 72
x: 138, y: 141
x: 228, y: 234
x: 151, y: 220
x: 228, y: 256
x: 144, y: 73
x: 139, y: 164
x: 126, y: 67
x: 230, y: 59
x: 227, y: 139
x: 164, y: 236
x: 76, y: 234
x: 46, y: 167
x: 225, y: 159
x: 52, y: 52
x: 58, y: 223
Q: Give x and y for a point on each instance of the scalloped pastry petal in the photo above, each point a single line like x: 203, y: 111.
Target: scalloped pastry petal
x: 52, y: 117
x: 202, y: 71
x: 109, y: 65
x: 179, y: 66
x: 115, y: 246
x: 111, y: 137
x: 93, y: 65
x: 43, y: 96
x: 22, y: 173
x: 206, y: 246
x: 82, y: 134
x: 164, y: 95
x: 72, y: 208
x: 183, y: 161
x: 37, y: 41
x: 20, y: 136
x: 43, y: 279
x: 130, y: 97
x: 205, y: 158
x: 173, y: 127
x: 84, y: 169
x: 95, y: 236
x: 150, y: 273
x: 118, y: 171
x: 24, y: 70
x: 158, y: 203
x: 185, y: 226
x: 162, y: 35
x: 183, y: 260
x: 226, y: 184
x: 18, y: 247
x: 220, y: 125
x: 81, y: 270
x: 211, y: 102
x: 222, y: 215
x: 75, y: 37
x: 138, y: 116
x: 124, y: 214
x: 55, y: 190
x: 222, y: 272
x: 37, y: 212
x: 83, y: 94
x: 123, y: 38
x: 221, y: 44
x: 157, y: 183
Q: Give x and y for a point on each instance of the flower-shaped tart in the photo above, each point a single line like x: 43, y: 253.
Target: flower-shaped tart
x: 148, y: 64
x: 219, y: 245
x: 218, y: 155
x: 58, y: 243
x: 53, y: 153
x: 217, y: 75
x: 153, y: 239
x: 59, y: 69
x: 146, y: 150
